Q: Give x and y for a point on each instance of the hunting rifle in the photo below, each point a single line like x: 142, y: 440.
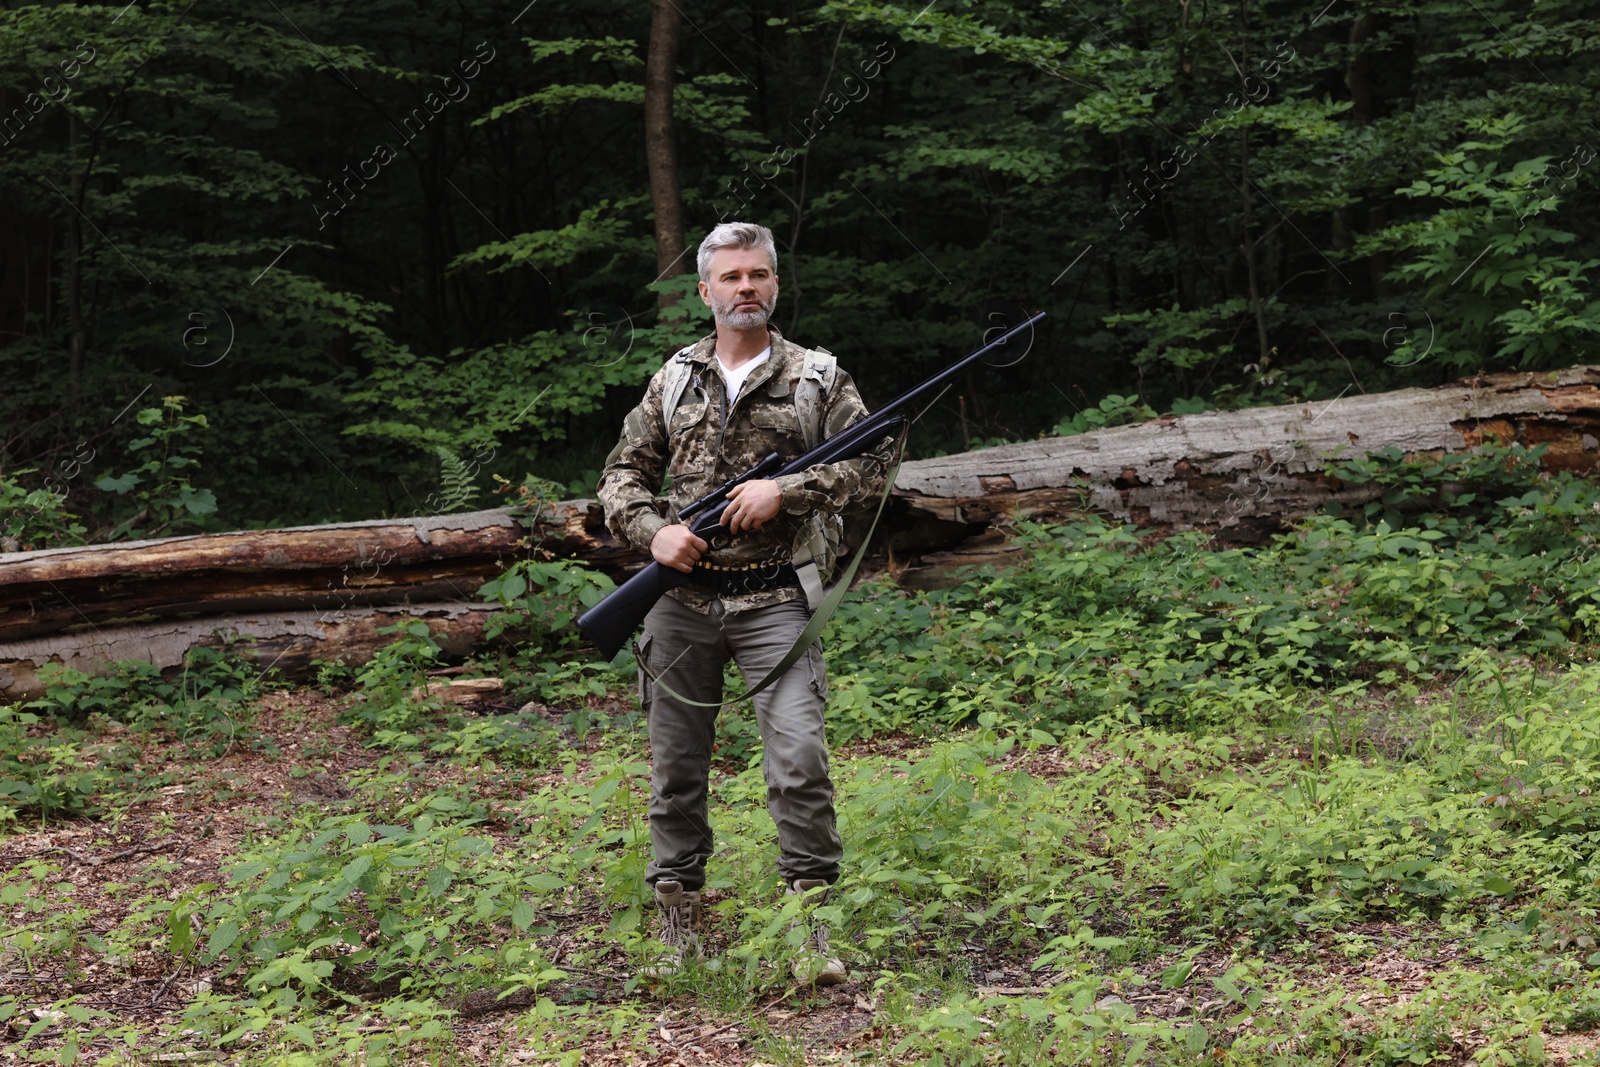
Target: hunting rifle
x: 610, y: 623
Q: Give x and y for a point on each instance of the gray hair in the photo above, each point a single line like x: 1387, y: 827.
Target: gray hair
x: 736, y: 235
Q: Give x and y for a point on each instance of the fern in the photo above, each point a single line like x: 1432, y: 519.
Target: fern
x: 456, y: 490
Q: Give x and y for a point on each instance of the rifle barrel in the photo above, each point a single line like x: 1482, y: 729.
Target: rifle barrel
x: 957, y: 367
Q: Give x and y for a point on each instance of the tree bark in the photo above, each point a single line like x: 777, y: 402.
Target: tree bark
x: 322, y: 591
x: 76, y: 328
x: 666, y: 199
x: 326, y: 569
x: 1241, y: 474
x: 291, y: 642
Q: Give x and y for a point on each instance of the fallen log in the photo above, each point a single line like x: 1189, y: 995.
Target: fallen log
x: 1240, y: 474
x: 321, y: 592
x: 292, y: 642
x: 322, y: 568
x: 285, y: 598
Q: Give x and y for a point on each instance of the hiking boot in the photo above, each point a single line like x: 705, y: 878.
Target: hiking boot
x: 815, y: 965
x: 680, y: 915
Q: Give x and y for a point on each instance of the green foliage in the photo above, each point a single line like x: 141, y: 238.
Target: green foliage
x: 1182, y: 338
x: 167, y: 227
x: 53, y: 765
x: 40, y: 772
x: 393, y: 1031
x: 541, y: 600
x: 36, y: 931
x: 212, y: 685
x: 1112, y: 411
x: 394, y: 682
x: 1522, y: 302
x: 456, y: 490
x: 162, y: 498
x: 1102, y: 857
x: 1097, y: 620
x: 416, y: 906
x: 476, y: 740
x: 1195, y: 196
x: 34, y: 518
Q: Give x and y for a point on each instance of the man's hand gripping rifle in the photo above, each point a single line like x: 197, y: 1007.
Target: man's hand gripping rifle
x: 610, y: 623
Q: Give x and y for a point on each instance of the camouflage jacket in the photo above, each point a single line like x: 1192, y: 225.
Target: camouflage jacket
x: 707, y: 444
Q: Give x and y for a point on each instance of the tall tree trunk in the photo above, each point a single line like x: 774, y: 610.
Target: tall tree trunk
x: 75, y: 343
x: 1360, y: 78
x: 1248, y: 246
x: 666, y: 200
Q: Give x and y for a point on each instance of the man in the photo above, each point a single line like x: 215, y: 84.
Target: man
x: 712, y: 412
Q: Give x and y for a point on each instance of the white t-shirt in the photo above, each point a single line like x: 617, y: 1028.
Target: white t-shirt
x: 734, y: 379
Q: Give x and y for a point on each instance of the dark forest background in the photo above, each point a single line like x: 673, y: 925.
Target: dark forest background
x: 387, y: 251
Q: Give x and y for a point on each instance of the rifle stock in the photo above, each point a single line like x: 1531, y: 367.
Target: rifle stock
x: 610, y: 623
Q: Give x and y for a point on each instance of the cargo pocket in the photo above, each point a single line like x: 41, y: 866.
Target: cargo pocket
x: 688, y: 446
x: 688, y: 414
x: 646, y: 687
x: 778, y: 423
x: 819, y: 670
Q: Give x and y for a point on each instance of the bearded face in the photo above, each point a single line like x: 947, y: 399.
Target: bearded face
x: 741, y: 288
x: 744, y: 312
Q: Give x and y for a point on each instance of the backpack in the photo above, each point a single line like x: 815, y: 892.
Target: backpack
x: 816, y: 546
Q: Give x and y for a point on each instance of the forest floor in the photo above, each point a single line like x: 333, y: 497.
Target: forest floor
x: 97, y: 965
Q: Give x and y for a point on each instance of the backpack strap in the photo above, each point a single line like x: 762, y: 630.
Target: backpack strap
x: 679, y: 370
x: 816, y: 382
x: 812, y: 549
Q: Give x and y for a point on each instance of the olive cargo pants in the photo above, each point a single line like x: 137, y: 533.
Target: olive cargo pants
x: 687, y: 650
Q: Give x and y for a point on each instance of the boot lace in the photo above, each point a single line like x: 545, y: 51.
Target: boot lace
x: 675, y: 922
x: 819, y: 939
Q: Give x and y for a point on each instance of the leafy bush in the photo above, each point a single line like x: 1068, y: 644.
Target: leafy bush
x: 1114, y: 410
x: 539, y: 598
x: 163, y: 500
x: 394, y: 681
x: 34, y: 518
x: 41, y: 772
x: 207, y: 698
x: 419, y: 907
x: 1099, y: 620
x: 49, y: 762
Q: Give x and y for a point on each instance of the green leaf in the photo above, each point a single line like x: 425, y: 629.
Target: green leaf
x: 222, y: 939
x: 352, y: 871
x: 1174, y: 976
x: 605, y: 789
x: 180, y: 932
x: 121, y: 484
x: 198, y: 501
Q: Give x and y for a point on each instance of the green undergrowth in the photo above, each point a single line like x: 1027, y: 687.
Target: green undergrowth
x: 1456, y: 555
x: 1105, y: 868
x: 86, y: 746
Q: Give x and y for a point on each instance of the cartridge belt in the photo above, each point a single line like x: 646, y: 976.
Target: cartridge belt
x: 723, y: 579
